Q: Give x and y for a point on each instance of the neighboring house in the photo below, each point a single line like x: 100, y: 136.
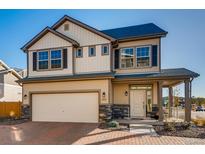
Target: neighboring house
x: 10, y: 90
x: 76, y: 73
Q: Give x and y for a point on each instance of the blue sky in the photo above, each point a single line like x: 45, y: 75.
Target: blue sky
x: 184, y: 45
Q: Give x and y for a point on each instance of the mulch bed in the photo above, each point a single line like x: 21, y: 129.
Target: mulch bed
x: 191, y: 132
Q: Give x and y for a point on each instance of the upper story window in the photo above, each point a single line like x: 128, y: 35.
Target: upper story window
x: 79, y: 52
x: 105, y: 49
x: 143, y: 56
x: 92, y: 51
x: 43, y: 60
x: 56, y: 59
x: 127, y: 57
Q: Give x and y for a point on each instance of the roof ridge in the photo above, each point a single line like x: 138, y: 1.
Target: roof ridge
x: 130, y: 26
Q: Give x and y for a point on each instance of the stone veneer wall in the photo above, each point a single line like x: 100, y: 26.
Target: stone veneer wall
x: 113, y: 111
x: 120, y: 111
x: 105, y: 113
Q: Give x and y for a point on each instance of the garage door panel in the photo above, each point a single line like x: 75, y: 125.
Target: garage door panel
x: 65, y: 107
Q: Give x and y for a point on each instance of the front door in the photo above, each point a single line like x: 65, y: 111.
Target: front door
x: 137, y: 103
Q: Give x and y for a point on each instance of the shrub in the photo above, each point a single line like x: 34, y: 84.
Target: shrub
x: 113, y: 124
x: 185, y: 125
x: 169, y: 126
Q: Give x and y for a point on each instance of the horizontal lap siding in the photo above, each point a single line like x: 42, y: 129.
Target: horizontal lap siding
x: 101, y: 85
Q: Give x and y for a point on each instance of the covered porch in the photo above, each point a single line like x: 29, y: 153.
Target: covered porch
x: 167, y: 78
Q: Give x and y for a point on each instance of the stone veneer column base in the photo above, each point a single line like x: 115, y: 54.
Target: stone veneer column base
x: 105, y: 113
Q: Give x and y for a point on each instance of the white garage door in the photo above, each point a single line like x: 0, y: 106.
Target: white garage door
x: 65, y: 107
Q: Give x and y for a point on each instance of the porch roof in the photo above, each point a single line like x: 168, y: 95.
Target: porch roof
x: 176, y: 73
x: 67, y: 77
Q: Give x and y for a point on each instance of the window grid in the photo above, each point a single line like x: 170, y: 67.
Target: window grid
x: 51, y: 59
x: 127, y: 57
x: 43, y: 60
x: 143, y: 56
x: 56, y: 59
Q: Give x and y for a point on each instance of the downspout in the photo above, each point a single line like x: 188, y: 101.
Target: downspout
x: 191, y: 88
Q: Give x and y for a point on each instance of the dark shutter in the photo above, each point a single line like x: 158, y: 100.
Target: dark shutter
x: 65, y: 58
x: 117, y: 57
x: 34, y: 61
x: 154, y: 55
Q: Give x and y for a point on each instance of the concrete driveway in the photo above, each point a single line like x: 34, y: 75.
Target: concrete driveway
x: 79, y: 133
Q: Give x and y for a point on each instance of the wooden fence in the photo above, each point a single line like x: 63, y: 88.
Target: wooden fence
x: 10, y: 109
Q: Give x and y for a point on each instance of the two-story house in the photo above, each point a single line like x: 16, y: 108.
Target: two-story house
x: 10, y: 90
x: 76, y: 73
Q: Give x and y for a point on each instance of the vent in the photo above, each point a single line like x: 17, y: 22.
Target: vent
x: 66, y: 27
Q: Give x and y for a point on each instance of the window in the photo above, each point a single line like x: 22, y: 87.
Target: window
x: 56, y: 59
x: 92, y: 51
x: 66, y: 27
x: 79, y: 52
x: 105, y: 49
x: 143, y: 56
x: 43, y: 60
x: 127, y: 57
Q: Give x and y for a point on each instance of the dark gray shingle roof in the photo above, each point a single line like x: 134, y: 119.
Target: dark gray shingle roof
x: 165, y: 73
x: 144, y: 30
x: 68, y: 77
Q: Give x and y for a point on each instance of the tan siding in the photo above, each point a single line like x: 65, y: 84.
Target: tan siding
x: 9, y: 78
x: 49, y: 41
x: 155, y: 96
x: 140, y: 43
x: 97, y: 63
x: 101, y: 85
x: 119, y: 93
x: 67, y: 71
x: 11, y: 93
x: 138, y: 70
x: 82, y: 35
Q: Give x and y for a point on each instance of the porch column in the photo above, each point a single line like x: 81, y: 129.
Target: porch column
x: 170, y: 101
x: 187, y: 101
x: 161, y: 114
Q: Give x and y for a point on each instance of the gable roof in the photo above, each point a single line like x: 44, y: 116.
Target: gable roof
x: 44, y: 32
x: 8, y: 69
x: 83, y: 25
x: 137, y: 31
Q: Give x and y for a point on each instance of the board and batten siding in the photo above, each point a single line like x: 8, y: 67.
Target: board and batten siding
x: 48, y: 41
x: 138, y: 43
x: 86, y: 85
x: 82, y: 35
x: 65, y: 71
x: 97, y: 63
